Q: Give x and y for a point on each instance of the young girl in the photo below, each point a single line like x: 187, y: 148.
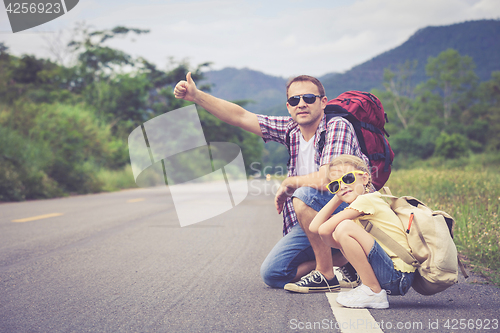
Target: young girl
x: 380, y: 270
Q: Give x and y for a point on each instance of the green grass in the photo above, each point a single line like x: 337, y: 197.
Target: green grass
x: 114, y: 180
x: 471, y: 195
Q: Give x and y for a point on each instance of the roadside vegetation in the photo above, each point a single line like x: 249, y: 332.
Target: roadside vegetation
x: 64, y: 125
x: 445, y: 134
x: 469, y: 190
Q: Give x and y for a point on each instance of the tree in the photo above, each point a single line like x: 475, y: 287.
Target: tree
x: 124, y: 91
x: 489, y: 95
x: 451, y: 76
x: 401, y: 90
x: 95, y: 59
x: 161, y: 96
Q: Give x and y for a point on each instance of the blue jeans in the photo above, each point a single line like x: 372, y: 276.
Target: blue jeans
x: 390, y: 279
x: 280, y: 265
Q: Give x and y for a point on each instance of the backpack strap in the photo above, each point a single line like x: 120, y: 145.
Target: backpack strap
x: 387, y: 191
x: 394, y: 246
x: 287, y: 143
x: 462, y: 268
x: 321, y: 143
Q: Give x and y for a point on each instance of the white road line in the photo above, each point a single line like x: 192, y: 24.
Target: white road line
x: 352, y: 320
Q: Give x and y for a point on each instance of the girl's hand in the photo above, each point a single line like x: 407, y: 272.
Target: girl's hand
x: 324, y: 214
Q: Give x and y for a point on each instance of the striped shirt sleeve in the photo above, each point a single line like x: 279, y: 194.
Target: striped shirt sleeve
x: 274, y: 128
x: 341, y: 139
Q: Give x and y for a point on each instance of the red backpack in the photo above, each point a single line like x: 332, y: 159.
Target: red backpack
x: 365, y: 112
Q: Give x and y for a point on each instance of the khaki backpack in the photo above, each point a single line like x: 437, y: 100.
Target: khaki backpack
x: 430, y: 236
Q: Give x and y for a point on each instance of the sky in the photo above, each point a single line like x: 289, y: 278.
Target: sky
x: 280, y: 38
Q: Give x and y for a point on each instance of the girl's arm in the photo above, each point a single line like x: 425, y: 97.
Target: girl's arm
x: 329, y: 226
x: 324, y: 214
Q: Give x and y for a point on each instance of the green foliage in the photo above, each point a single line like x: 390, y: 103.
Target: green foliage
x: 449, y: 115
x: 96, y: 60
x: 113, y: 180
x: 76, y: 120
x: 54, y: 148
x: 451, y: 146
x: 452, y: 76
x: 488, y: 110
x: 38, y: 80
x: 400, y: 92
x: 22, y: 165
x: 414, y: 143
x: 274, y: 159
x: 121, y: 98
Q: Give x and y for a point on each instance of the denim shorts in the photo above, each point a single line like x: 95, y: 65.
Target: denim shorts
x: 393, y: 281
x: 280, y: 265
x: 316, y: 199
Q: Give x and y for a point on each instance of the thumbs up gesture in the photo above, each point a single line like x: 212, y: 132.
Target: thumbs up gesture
x: 186, y: 89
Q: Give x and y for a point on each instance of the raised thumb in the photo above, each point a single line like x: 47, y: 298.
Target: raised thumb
x: 188, y: 78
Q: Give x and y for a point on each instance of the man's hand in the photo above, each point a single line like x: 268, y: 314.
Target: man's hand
x: 186, y: 89
x: 316, y: 180
x: 284, y: 192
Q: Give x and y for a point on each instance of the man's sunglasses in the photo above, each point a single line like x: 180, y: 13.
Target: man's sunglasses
x: 308, y: 98
x: 347, y: 179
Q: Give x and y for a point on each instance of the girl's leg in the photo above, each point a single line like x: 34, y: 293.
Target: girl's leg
x: 356, y: 244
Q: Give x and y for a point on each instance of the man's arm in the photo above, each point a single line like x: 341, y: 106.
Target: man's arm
x: 228, y: 112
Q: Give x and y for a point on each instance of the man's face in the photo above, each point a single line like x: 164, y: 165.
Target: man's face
x: 306, y: 114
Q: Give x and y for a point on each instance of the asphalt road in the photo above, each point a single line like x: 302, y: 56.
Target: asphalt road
x: 120, y: 262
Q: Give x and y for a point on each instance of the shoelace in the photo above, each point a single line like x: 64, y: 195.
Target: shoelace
x: 346, y: 276
x: 310, y: 277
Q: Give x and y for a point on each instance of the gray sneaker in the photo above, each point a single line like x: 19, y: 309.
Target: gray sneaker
x: 313, y: 282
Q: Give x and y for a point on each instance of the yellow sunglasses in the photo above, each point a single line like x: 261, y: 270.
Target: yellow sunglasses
x: 348, y: 178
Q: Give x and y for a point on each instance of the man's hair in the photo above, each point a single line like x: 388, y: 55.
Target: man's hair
x: 302, y: 78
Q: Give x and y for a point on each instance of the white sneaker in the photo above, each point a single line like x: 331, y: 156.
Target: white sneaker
x: 363, y: 297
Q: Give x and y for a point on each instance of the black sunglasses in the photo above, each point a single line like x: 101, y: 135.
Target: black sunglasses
x: 308, y: 98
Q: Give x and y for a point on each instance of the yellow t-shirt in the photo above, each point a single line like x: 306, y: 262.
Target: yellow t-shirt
x: 378, y: 212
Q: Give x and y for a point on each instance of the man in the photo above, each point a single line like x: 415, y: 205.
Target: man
x: 300, y: 261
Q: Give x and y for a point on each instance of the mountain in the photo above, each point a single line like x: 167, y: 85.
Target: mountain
x: 245, y: 84
x: 477, y: 39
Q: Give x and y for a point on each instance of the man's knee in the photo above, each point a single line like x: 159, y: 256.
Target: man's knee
x: 301, y: 200
x: 273, y: 278
x: 300, y: 207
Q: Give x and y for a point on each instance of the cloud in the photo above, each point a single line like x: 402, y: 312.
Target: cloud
x: 282, y: 38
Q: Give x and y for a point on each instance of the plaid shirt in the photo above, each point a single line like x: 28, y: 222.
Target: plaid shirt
x: 340, y: 139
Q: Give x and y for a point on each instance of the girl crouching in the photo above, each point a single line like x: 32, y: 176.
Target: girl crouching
x: 380, y: 270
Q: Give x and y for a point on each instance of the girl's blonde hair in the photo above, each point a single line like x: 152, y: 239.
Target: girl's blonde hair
x: 355, y: 162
